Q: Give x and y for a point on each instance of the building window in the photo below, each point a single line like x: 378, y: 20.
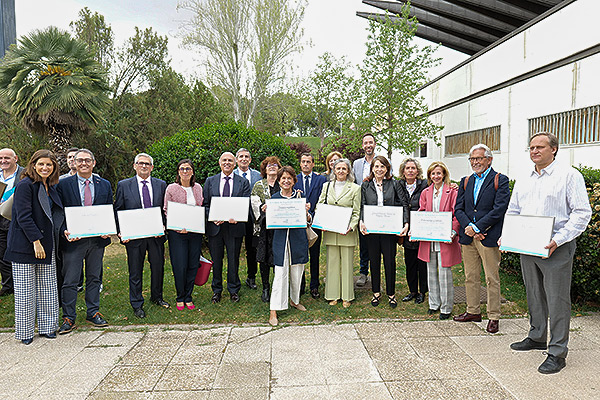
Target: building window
x: 421, y: 150
x: 579, y: 126
x: 461, y: 143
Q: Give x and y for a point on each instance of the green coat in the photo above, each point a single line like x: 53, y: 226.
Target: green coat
x: 350, y: 197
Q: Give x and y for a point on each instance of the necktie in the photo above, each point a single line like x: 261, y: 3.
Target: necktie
x: 87, y: 194
x: 147, y: 203
x: 306, y: 185
x: 226, y: 187
x: 245, y: 175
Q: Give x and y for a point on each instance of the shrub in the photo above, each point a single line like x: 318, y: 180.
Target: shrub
x: 585, y: 282
x: 205, y: 145
x: 300, y: 148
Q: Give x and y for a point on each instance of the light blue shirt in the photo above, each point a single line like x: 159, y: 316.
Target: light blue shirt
x: 477, y: 188
x: 81, y: 182
x: 10, y: 184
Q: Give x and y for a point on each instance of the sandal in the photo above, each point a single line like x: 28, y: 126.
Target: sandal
x: 333, y: 303
x: 375, y: 299
x: 392, y: 300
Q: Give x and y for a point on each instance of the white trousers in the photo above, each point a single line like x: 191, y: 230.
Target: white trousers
x: 286, y: 283
x: 441, y: 287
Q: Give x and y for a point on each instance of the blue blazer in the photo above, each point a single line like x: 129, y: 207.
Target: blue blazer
x: 488, y: 213
x: 33, y: 218
x: 314, y: 192
x: 241, y: 188
x: 255, y: 176
x: 68, y: 190
x: 128, y: 197
x: 298, y: 242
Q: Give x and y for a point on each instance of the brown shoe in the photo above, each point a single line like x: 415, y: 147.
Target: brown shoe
x: 466, y: 317
x: 492, y: 326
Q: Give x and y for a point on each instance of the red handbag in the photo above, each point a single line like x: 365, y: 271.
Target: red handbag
x: 203, y: 271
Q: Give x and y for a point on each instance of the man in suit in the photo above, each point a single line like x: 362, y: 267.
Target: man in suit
x: 362, y: 169
x: 311, y: 185
x: 480, y: 207
x: 83, y: 189
x: 143, y: 191
x: 225, y: 234
x: 10, y: 174
x: 70, y: 163
x: 243, y: 158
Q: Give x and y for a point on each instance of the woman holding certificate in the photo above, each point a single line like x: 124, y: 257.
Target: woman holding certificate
x: 329, y: 161
x: 263, y: 190
x: 37, y: 215
x: 440, y: 256
x: 379, y: 189
x: 341, y: 191
x: 184, y: 246
x: 290, y: 252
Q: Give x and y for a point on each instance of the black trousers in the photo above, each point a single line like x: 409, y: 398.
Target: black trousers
x: 416, y: 271
x: 314, y: 253
x: 378, y: 245
x: 184, y: 250
x: 75, y: 254
x: 250, y: 251
x: 5, y: 266
x: 364, y: 254
x: 217, y: 245
x: 136, y: 253
x: 265, y: 274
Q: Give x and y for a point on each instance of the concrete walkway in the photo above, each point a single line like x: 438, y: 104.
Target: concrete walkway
x: 365, y: 360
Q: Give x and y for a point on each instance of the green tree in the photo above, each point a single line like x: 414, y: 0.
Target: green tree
x: 53, y: 86
x: 93, y: 30
x: 247, y: 44
x: 393, y: 70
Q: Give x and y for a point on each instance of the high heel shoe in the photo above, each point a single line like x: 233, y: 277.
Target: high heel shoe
x: 190, y: 306
x: 179, y: 306
x: 392, y: 300
x: 375, y: 299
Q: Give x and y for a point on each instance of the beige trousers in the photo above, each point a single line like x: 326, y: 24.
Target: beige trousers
x: 474, y: 255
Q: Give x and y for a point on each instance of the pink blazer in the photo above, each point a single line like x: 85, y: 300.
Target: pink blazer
x: 450, y: 252
x: 176, y: 193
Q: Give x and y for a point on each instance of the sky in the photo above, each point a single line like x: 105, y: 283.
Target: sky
x: 329, y: 25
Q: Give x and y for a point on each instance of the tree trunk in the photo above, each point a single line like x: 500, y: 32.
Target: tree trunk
x: 60, y: 140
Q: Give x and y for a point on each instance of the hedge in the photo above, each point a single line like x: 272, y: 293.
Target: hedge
x: 205, y: 145
x: 585, y: 282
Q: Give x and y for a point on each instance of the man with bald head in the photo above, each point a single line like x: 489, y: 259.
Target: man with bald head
x: 10, y: 173
x: 225, y: 234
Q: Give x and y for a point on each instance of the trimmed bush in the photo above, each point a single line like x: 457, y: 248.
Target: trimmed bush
x: 205, y: 145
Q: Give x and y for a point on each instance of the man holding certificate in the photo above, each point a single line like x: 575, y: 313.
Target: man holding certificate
x: 480, y: 207
x: 83, y: 189
x: 225, y: 234
x: 142, y: 192
x: 558, y: 191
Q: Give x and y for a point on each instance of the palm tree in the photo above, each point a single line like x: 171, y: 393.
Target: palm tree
x: 53, y: 86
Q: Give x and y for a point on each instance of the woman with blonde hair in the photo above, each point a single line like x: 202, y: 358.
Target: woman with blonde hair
x: 329, y: 161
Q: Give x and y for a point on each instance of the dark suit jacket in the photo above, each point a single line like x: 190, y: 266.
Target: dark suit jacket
x: 128, y: 197
x: 392, y: 196
x: 314, y: 192
x: 241, y: 188
x: 488, y: 213
x: 33, y: 218
x: 68, y: 189
x: 413, y: 204
x: 4, y: 223
x: 255, y: 176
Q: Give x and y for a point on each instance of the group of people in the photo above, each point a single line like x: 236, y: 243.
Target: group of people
x: 47, y: 263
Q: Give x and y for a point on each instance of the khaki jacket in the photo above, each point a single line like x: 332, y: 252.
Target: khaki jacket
x: 349, y: 197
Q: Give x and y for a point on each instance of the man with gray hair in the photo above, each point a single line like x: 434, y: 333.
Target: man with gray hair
x: 480, y: 207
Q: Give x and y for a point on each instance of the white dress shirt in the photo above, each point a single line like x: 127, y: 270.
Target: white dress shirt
x: 222, y: 183
x: 557, y: 191
x: 141, y: 185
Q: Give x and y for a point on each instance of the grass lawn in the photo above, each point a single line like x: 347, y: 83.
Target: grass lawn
x: 114, y: 300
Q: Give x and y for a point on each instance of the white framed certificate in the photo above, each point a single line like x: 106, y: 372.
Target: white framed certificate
x: 384, y: 219
x: 431, y: 226
x: 527, y: 234
x: 226, y: 208
x: 332, y: 218
x: 185, y: 216
x: 140, y: 223
x: 90, y: 221
x: 286, y: 213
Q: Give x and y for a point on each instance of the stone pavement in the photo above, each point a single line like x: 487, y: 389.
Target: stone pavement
x: 361, y: 360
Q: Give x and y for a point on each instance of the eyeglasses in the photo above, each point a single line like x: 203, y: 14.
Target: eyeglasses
x: 185, y: 169
x: 143, y: 164
x: 272, y: 165
x: 84, y: 160
x: 476, y: 159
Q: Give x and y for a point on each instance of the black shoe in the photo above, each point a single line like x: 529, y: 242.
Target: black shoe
x: 375, y: 299
x: 216, y: 297
x: 409, y: 297
x: 266, y: 295
x: 234, y: 297
x: 97, y: 320
x: 251, y: 282
x: 27, y: 341
x: 444, y: 315
x: 419, y: 298
x: 528, y: 344
x: 392, y: 301
x: 315, y: 293
x: 139, y: 312
x: 431, y: 311
x: 161, y: 303
x: 552, y: 365
x: 6, y: 291
x: 51, y: 335
x: 67, y: 326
